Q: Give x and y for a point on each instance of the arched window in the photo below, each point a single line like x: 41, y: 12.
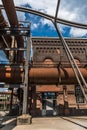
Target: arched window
x: 48, y: 61
x: 58, y: 51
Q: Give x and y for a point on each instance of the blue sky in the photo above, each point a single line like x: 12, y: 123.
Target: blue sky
x: 69, y: 10
x: 75, y: 10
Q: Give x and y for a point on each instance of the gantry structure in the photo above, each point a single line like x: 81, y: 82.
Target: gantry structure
x: 16, y: 39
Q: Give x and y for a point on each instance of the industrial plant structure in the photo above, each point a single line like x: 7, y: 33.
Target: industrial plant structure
x: 51, y: 81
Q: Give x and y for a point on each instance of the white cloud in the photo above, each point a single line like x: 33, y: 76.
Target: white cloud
x: 48, y: 22
x: 46, y: 5
x: 74, y: 10
x: 75, y: 32
x: 62, y: 27
x: 65, y: 14
x: 21, y: 16
x: 70, y: 10
x: 0, y: 2
x: 34, y: 26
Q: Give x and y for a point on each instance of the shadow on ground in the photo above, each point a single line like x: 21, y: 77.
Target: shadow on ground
x: 8, y: 126
x: 67, y: 119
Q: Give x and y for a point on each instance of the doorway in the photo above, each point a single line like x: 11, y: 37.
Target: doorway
x: 49, y: 104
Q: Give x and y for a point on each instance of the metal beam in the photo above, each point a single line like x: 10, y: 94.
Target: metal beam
x: 13, y: 49
x: 15, y: 31
x: 10, y: 11
x: 3, y: 85
x: 13, y: 20
x: 26, y: 78
x: 57, y: 9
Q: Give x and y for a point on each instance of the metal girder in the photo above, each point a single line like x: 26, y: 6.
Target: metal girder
x: 13, y: 49
x: 3, y: 85
x: 15, y: 31
x: 10, y: 11
x: 57, y: 9
x: 26, y: 78
x: 13, y: 20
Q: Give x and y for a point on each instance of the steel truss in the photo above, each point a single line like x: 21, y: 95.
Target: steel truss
x: 15, y: 31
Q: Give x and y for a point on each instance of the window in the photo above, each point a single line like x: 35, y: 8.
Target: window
x: 79, y: 94
x: 58, y: 51
x: 49, y: 95
x: 48, y: 62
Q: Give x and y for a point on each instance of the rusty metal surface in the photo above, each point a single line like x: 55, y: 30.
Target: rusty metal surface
x: 10, y: 11
x: 48, y: 88
x: 11, y: 75
x: 51, y: 75
x: 40, y: 75
x: 13, y: 20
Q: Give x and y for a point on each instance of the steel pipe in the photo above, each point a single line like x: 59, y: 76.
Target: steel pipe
x: 40, y: 75
x: 51, y: 75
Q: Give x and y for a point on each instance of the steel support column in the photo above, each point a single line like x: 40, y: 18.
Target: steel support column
x: 11, y: 101
x: 26, y: 78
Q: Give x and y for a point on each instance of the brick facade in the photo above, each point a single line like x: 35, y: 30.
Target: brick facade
x: 49, y: 51
x: 66, y: 103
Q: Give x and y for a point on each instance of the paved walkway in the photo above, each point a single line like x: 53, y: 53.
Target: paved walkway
x: 53, y: 123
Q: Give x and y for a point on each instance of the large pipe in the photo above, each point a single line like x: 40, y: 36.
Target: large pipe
x: 40, y: 75
x: 13, y: 20
x: 52, y: 76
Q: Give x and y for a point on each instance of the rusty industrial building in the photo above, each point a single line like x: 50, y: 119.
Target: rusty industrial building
x: 52, y: 82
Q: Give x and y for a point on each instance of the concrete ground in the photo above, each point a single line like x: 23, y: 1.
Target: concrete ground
x: 51, y: 123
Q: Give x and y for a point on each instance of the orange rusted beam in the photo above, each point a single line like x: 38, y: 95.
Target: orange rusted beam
x: 10, y: 11
x: 40, y: 75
